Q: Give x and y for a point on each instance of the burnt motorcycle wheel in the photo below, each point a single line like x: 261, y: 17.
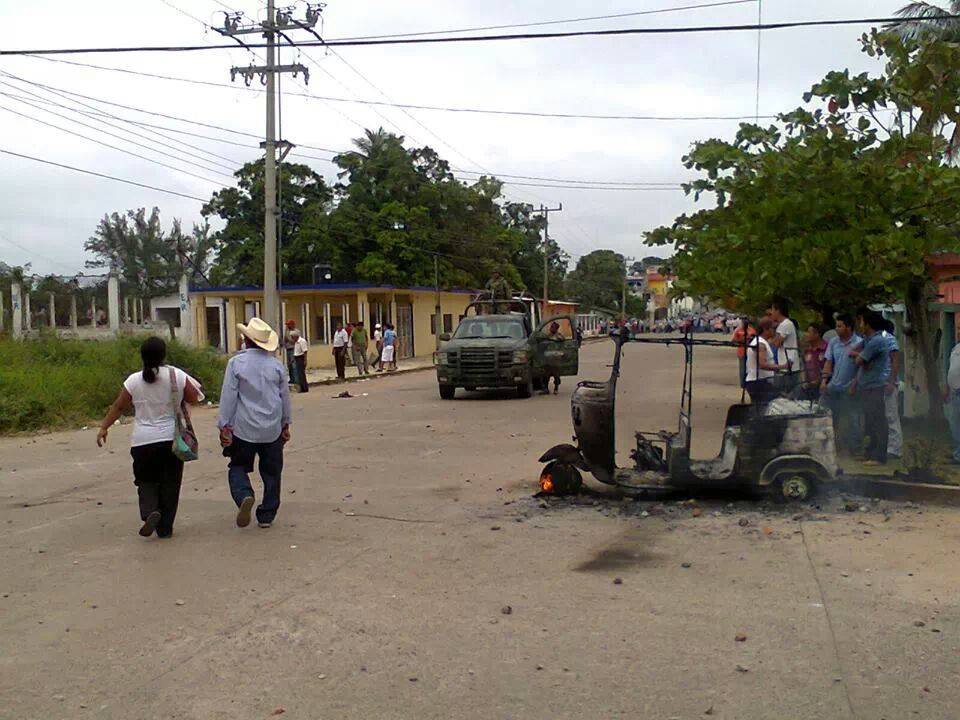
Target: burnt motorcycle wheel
x: 794, y: 486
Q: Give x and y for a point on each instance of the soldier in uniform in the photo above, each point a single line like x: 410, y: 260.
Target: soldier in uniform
x: 499, y: 289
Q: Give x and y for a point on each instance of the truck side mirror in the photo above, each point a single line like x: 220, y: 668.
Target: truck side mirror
x: 444, y: 337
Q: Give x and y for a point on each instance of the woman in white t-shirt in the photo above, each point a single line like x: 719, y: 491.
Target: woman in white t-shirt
x: 157, y: 471
x: 761, y: 367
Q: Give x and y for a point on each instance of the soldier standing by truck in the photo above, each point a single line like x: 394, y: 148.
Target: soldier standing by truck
x: 551, y: 368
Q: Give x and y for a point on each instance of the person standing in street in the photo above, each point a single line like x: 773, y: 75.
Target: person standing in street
x: 288, y: 344
x: 389, y: 358
x: 874, y: 361
x: 784, y: 343
x: 761, y: 365
x: 300, y: 349
x: 254, y: 421
x: 154, y: 393
x: 891, y: 399
x: 359, y: 340
x: 551, y: 369
x: 951, y: 398
x: 838, y: 386
x: 742, y: 336
x: 814, y: 359
x: 340, y: 342
x: 378, y: 346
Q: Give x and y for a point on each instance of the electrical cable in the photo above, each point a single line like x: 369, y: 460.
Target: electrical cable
x: 698, y: 29
x: 108, y: 145
x: 411, y: 106
x: 102, y: 175
x: 616, y: 16
x: 38, y: 98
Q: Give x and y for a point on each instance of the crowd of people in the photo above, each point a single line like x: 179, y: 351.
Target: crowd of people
x: 852, y: 368
x: 351, y: 346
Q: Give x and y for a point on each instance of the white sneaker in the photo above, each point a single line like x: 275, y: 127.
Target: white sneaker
x: 264, y: 525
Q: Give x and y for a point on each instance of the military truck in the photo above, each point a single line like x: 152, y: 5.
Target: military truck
x: 503, y: 344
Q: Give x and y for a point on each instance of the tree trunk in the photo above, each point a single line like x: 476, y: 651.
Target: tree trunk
x: 927, y: 342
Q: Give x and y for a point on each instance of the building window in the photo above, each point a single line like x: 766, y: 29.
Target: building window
x: 448, y: 323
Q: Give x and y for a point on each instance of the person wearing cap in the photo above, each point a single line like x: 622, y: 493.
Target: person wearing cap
x: 359, y: 341
x: 254, y: 420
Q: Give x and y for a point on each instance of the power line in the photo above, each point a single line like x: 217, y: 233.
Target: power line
x: 102, y: 175
x: 412, y: 106
x: 108, y: 145
x: 552, y: 22
x: 47, y: 101
x: 482, y: 38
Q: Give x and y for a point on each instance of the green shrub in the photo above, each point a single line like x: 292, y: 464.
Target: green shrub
x: 50, y: 382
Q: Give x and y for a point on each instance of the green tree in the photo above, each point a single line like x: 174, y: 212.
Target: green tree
x: 134, y: 246
x: 833, y: 207
x: 597, y: 281
x: 302, y: 239
x: 927, y: 21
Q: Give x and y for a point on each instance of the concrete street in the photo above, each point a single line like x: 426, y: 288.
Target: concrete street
x: 411, y: 575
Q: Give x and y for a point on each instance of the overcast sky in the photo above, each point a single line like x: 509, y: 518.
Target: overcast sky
x: 47, y: 213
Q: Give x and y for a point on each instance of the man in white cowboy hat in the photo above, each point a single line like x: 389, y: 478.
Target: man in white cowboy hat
x: 254, y: 420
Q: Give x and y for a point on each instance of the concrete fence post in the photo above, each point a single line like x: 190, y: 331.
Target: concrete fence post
x: 53, y: 310
x: 16, y: 305
x: 113, y: 302
x: 126, y: 309
x: 27, y: 313
x: 3, y: 319
x: 73, y: 313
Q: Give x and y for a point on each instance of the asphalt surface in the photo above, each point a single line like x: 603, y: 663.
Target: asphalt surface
x: 411, y: 575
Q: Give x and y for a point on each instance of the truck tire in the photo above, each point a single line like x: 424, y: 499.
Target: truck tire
x: 447, y: 392
x: 525, y: 390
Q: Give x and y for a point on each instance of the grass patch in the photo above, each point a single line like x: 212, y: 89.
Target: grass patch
x: 53, y: 383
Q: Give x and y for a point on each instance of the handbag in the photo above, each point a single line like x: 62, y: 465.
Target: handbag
x: 185, y: 445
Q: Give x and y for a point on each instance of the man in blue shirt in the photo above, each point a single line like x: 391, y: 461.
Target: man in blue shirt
x: 874, y: 362
x: 892, y: 394
x: 389, y: 356
x: 838, y: 385
x: 254, y: 421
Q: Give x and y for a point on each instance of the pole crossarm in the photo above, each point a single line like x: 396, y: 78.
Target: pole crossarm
x: 251, y: 71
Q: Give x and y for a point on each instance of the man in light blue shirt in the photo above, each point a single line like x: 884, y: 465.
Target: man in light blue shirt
x: 838, y: 383
x: 874, y: 361
x: 254, y: 421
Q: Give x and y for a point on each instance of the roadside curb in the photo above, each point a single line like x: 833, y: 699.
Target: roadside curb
x: 371, y: 376
x: 871, y: 486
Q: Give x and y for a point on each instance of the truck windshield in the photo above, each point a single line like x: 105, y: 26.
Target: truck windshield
x: 472, y: 329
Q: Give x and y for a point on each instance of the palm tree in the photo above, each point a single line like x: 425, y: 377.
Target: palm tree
x: 927, y: 21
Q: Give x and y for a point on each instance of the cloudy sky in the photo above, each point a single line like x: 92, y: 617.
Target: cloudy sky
x: 47, y: 213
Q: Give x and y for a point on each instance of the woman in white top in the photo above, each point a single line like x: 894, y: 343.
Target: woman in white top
x: 761, y: 367
x: 157, y: 471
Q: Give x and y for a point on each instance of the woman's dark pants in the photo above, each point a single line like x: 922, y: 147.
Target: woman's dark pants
x: 158, y: 474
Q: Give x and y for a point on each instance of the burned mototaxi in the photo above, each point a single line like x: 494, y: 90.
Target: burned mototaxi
x: 786, y: 446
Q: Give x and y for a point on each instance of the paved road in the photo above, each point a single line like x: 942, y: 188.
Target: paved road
x: 407, y: 526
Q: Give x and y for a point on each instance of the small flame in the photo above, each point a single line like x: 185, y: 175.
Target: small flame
x: 546, y: 483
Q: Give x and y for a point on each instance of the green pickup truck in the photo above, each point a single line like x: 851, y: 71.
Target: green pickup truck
x: 505, y: 350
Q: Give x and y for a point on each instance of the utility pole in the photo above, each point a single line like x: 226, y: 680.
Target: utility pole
x: 276, y: 23
x: 546, y: 250
x: 627, y: 262
x: 436, y: 274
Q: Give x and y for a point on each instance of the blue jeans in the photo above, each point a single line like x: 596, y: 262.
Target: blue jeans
x: 847, y: 421
x: 952, y: 411
x: 242, y: 455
